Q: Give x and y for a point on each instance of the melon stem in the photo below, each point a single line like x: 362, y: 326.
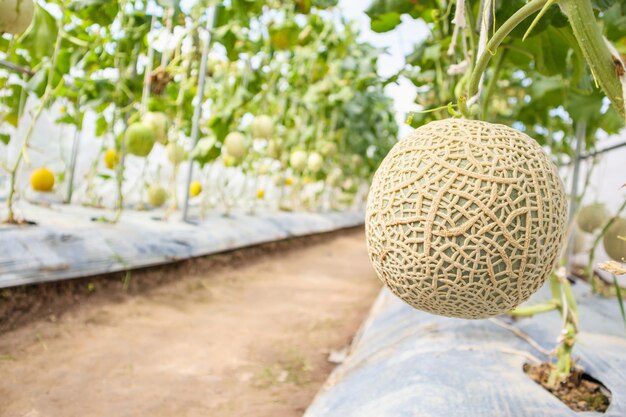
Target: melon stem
x: 503, y: 31
x: 49, y: 89
x: 589, y: 36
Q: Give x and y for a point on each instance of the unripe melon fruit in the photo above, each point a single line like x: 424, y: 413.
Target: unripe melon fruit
x: 298, y: 160
x: 465, y: 218
x: 328, y: 148
x: 613, y: 240
x: 158, y: 122
x: 262, y: 127
x: 175, y: 153
x: 578, y: 241
x: 16, y: 15
x: 42, y: 180
x: 157, y: 195
x: 139, y: 139
x: 315, y: 162
x: 274, y: 149
x: 592, y: 217
x: 235, y: 145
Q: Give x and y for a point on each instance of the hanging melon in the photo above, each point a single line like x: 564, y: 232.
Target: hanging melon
x: 298, y: 160
x: 16, y: 15
x: 315, y: 162
x: 139, y: 139
x: 592, y: 217
x: 195, y: 188
x: 465, y: 218
x: 262, y: 127
x: 614, y: 240
x: 42, y: 180
x: 157, y: 195
x: 175, y: 153
x: 159, y: 123
x: 235, y: 145
x: 111, y: 158
x: 579, y: 241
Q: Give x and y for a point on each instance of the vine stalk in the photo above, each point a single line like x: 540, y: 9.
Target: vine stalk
x: 595, y: 50
x: 29, y: 132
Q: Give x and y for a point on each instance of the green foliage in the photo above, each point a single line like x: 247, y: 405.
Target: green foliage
x: 294, y: 61
x: 541, y: 84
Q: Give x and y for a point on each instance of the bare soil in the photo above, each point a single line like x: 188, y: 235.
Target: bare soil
x: 242, y: 334
x: 579, y: 392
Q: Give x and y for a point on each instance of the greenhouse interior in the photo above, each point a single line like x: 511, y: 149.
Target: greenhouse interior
x: 317, y: 208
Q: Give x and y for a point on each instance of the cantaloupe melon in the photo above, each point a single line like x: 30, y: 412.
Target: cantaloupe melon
x: 465, y: 218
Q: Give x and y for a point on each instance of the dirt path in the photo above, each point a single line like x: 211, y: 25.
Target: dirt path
x: 250, y: 341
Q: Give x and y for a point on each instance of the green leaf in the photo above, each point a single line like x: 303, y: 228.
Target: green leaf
x: 102, y: 12
x: 40, y: 37
x: 206, y: 150
x: 102, y: 126
x: 66, y: 119
x: 615, y: 22
x: 385, y: 22
x: 584, y: 106
x: 611, y: 122
x: 5, y: 138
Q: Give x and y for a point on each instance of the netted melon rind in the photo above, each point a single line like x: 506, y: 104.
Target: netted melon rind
x: 613, y: 240
x: 465, y: 218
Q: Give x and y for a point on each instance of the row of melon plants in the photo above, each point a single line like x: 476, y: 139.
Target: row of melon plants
x: 218, y: 105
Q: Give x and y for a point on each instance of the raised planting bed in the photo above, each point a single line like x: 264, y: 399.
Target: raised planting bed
x: 66, y: 243
x: 409, y: 363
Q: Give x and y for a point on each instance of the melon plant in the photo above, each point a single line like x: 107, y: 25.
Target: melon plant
x: 614, y: 240
x: 139, y: 139
x: 465, y: 218
x: 16, y: 15
x: 262, y: 127
x: 592, y: 217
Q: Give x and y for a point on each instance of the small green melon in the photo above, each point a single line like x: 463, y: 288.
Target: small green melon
x: 592, y: 217
x: 139, y: 139
x: 157, y: 195
x: 614, y: 240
